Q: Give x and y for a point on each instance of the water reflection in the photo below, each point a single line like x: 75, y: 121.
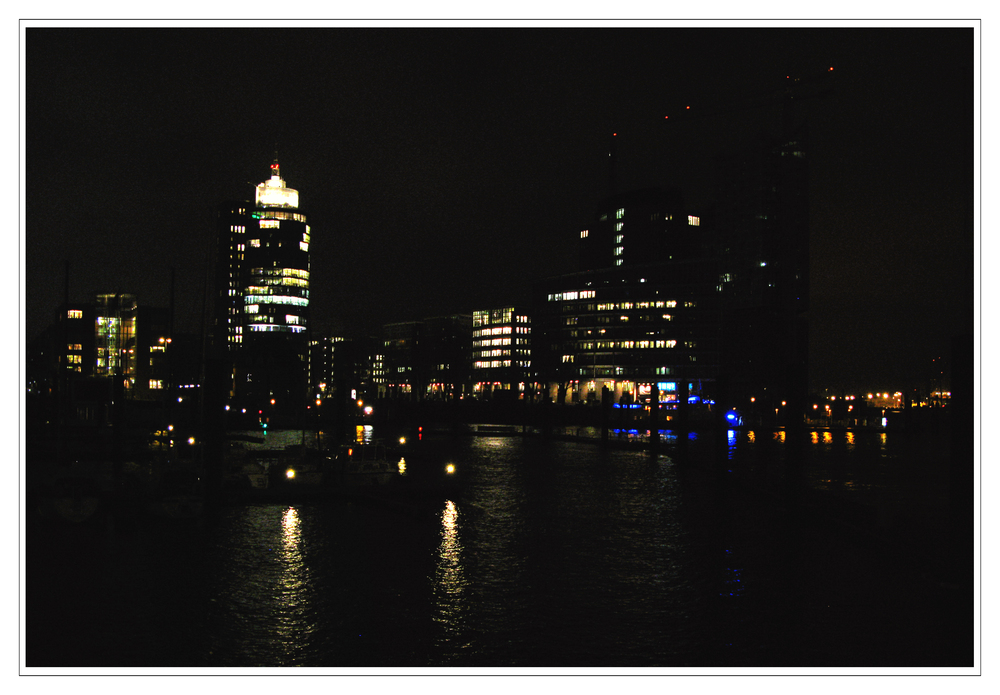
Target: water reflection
x: 449, y: 577
x: 364, y: 434
x: 292, y: 625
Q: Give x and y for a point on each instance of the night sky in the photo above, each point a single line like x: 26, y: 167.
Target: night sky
x: 444, y: 170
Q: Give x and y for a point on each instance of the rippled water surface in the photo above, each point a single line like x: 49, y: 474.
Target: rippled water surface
x: 555, y: 554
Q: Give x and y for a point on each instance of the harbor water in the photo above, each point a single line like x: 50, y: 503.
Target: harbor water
x: 555, y: 553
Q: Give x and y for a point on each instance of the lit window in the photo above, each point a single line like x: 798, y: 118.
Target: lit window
x: 303, y: 246
x: 74, y: 359
x: 74, y: 346
x: 156, y: 383
x: 255, y: 243
x: 620, y: 214
x: 74, y: 314
x: 694, y: 221
x: 585, y: 233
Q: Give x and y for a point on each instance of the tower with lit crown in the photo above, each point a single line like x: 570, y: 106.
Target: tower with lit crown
x: 262, y: 294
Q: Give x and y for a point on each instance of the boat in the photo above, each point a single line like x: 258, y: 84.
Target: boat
x: 364, y: 465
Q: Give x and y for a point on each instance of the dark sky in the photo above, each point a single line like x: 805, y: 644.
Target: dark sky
x: 443, y: 170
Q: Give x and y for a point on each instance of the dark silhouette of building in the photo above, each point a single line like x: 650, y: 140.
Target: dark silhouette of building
x: 428, y: 359
x: 762, y: 234
x: 639, y: 227
x: 340, y: 367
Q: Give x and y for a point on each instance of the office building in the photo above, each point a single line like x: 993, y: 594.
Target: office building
x: 501, y: 350
x: 632, y: 330
x: 262, y: 295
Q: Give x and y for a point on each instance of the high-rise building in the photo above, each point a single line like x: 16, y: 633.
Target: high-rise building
x: 230, y: 279
x: 640, y: 227
x: 501, y: 349
x: 262, y: 294
x: 762, y: 223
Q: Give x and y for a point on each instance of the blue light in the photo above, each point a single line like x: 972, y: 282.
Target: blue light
x: 667, y: 385
x: 694, y: 399
x: 733, y: 417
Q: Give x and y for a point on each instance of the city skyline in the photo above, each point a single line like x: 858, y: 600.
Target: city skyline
x: 446, y: 171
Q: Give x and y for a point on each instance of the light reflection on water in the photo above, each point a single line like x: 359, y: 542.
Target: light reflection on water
x: 265, y: 590
x: 292, y: 626
x: 556, y: 553
x: 449, y: 574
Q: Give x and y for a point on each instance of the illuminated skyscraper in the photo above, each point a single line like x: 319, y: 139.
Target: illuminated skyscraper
x: 262, y: 293
x: 276, y: 261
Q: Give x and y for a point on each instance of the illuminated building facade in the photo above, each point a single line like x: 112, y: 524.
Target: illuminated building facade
x: 262, y: 294
x: 75, y: 338
x: 276, y: 261
x: 230, y: 279
x: 501, y: 349
x: 115, y: 343
x: 633, y: 330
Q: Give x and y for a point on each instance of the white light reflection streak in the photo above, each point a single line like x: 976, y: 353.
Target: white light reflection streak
x: 449, y: 576
x: 292, y: 627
